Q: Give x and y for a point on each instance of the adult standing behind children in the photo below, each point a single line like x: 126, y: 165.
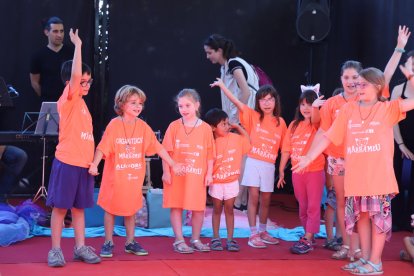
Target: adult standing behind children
x: 70, y: 184
x: 240, y: 78
x: 46, y: 63
x: 125, y: 143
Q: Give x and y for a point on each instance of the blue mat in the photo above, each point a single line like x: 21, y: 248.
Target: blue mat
x: 281, y: 233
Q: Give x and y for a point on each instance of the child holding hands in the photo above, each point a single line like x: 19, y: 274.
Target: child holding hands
x: 188, y: 140
x: 126, y: 141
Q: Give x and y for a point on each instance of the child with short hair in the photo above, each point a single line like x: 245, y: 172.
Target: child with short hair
x: 267, y: 130
x: 308, y: 186
x: 230, y: 149
x: 188, y: 140
x: 70, y: 184
x: 124, y: 145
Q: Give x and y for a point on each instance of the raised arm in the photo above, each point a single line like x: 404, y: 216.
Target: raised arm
x: 219, y: 83
x: 76, y: 74
x: 403, y: 35
x: 315, y: 115
x: 407, y: 70
x: 241, y: 130
x: 319, y: 144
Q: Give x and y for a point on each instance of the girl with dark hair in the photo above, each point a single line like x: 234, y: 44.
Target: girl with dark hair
x: 365, y: 127
x: 267, y: 130
x: 308, y: 186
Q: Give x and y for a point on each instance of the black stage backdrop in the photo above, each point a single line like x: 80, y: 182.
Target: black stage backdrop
x: 21, y: 33
x: 158, y: 46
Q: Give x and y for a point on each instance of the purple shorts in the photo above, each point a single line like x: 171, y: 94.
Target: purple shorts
x: 70, y: 186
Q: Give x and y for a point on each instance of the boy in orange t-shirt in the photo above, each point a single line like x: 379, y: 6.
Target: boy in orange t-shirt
x: 70, y: 184
x: 230, y: 149
x: 366, y: 128
x: 126, y: 141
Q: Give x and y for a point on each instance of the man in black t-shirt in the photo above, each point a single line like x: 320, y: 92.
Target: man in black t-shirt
x: 46, y: 62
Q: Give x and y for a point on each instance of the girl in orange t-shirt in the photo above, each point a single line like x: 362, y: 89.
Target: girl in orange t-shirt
x: 266, y: 129
x: 365, y: 127
x: 308, y: 186
x: 188, y: 140
x: 126, y: 141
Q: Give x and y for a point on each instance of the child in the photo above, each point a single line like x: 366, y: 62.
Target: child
x: 126, y: 141
x: 188, y: 140
x: 308, y: 186
x: 365, y: 126
x: 266, y: 129
x: 407, y: 254
x: 70, y: 185
x: 230, y: 149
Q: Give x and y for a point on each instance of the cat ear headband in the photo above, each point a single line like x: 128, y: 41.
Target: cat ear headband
x: 314, y: 88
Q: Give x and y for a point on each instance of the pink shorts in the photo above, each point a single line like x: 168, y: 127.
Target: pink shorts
x: 336, y: 166
x: 224, y: 191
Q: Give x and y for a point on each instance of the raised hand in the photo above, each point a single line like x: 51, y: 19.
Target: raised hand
x: 74, y: 37
x: 318, y: 102
x: 403, y: 35
x: 218, y: 83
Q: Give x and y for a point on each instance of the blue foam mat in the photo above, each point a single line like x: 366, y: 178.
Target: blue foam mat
x: 285, y: 234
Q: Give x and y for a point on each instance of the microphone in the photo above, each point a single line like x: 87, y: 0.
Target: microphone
x: 11, y: 90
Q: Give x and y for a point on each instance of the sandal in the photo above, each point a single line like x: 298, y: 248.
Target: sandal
x: 404, y: 256
x: 182, y: 248
x: 232, y: 246
x: 216, y: 244
x: 342, y: 253
x: 197, y: 245
x: 373, y: 269
x: 353, y: 265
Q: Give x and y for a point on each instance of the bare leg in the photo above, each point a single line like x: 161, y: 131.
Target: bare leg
x: 364, y: 231
x: 252, y: 205
x: 197, y: 222
x: 264, y: 207
x: 329, y: 222
x: 176, y: 223
x: 130, y: 228
x: 78, y: 220
x: 56, y: 224
x: 378, y: 242
x: 229, y: 214
x: 217, y: 209
x: 340, y: 206
x: 109, y: 226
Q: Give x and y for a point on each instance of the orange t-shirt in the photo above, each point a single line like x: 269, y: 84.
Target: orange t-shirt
x: 76, y: 144
x: 193, y: 149
x: 298, y: 144
x: 124, y: 171
x: 328, y: 113
x: 229, y: 154
x: 369, y: 147
x: 265, y: 136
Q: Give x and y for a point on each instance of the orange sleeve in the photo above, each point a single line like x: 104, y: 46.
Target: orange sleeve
x: 168, y: 141
x: 394, y: 113
x: 106, y: 145
x: 336, y: 133
x: 246, y: 146
x: 286, y: 145
x: 326, y: 116
x: 211, y: 147
x: 152, y: 146
x: 245, y: 116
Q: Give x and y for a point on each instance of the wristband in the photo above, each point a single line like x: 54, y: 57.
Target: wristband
x: 400, y: 50
x: 400, y: 143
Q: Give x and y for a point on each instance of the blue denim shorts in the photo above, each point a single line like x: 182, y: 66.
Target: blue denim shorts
x: 70, y: 186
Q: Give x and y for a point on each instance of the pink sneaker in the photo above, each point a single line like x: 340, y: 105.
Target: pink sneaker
x: 256, y: 242
x: 266, y: 238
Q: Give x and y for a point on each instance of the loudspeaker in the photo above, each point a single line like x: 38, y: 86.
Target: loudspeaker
x: 312, y: 22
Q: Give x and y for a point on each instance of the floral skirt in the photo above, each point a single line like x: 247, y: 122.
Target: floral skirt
x: 378, y: 207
